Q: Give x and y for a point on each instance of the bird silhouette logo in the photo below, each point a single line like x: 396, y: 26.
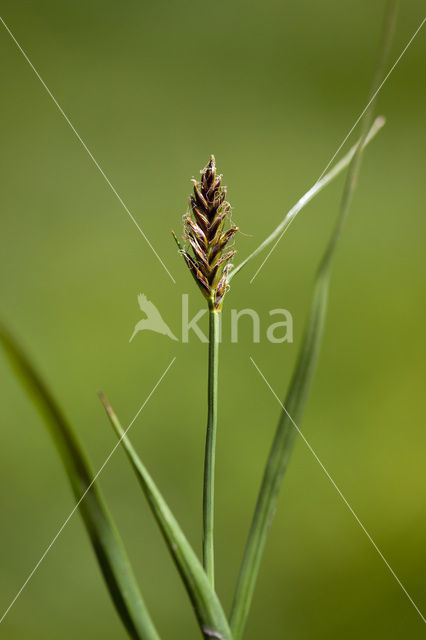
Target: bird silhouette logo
x: 153, y: 320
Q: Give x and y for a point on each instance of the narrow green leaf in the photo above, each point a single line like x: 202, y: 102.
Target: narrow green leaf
x: 112, y: 558
x: 285, y: 436
x: 289, y: 218
x: 279, y: 457
x: 209, y: 612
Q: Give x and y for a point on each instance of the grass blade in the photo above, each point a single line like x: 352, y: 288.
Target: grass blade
x: 279, y: 457
x: 208, y: 609
x: 285, y: 435
x: 106, y: 542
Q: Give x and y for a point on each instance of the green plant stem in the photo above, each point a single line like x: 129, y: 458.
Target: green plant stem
x: 209, y: 459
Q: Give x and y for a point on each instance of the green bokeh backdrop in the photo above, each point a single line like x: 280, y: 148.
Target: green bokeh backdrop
x: 271, y: 88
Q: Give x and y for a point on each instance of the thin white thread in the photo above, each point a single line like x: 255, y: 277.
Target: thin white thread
x: 375, y: 94
x: 340, y: 493
x: 79, y: 138
x: 351, y: 130
x: 64, y: 524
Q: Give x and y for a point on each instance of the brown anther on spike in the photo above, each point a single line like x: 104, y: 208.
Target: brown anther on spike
x: 199, y: 216
x: 205, y: 233
x: 199, y: 197
x: 197, y: 232
x: 221, y: 287
x: 227, y: 236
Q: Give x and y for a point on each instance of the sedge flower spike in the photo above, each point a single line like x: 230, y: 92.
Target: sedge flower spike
x: 204, y: 229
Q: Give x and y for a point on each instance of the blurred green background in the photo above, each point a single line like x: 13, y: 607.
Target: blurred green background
x: 272, y: 89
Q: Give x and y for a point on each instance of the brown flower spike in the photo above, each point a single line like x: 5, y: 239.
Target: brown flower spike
x: 205, y: 231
